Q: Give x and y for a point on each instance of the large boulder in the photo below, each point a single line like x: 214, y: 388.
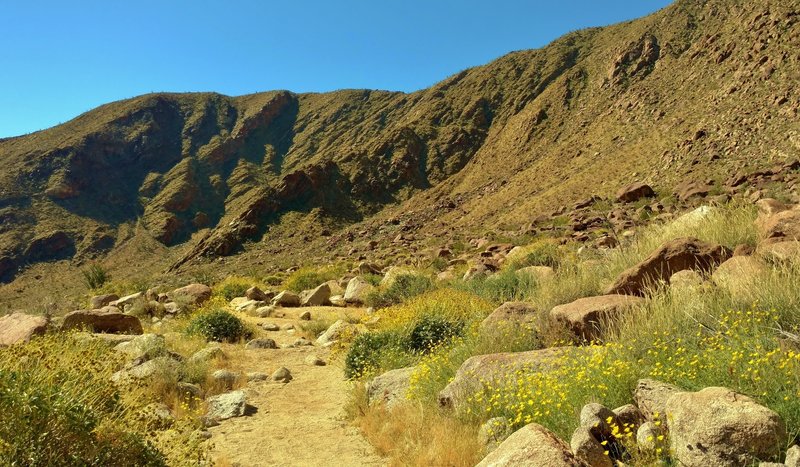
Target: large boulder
x: 391, y: 387
x: 254, y: 293
x: 476, y: 370
x: 718, y: 427
x: 675, y: 255
x: 532, y: 445
x: 635, y: 192
x: 357, y: 291
x: 392, y: 274
x: 127, y: 300
x: 510, y: 316
x: 107, y: 320
x: 776, y: 225
x: 587, y: 317
x: 651, y: 397
x: 738, y: 273
x: 287, y: 299
x: 20, y: 328
x: 197, y: 294
x: 317, y: 297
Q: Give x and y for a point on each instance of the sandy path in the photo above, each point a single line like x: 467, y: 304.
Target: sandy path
x: 301, y: 423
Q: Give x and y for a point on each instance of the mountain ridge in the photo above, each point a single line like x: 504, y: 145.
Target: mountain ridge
x: 671, y: 96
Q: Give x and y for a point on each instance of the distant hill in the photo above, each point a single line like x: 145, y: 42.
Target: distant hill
x: 699, y: 90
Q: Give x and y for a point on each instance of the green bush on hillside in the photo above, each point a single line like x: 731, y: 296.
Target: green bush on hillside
x: 95, y: 276
x: 218, y: 325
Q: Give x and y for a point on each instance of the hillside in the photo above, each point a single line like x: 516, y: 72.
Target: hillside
x: 701, y: 90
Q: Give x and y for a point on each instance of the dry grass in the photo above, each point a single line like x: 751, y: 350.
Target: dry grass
x: 415, y: 434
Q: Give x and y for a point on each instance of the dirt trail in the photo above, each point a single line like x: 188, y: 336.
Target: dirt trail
x: 300, y: 423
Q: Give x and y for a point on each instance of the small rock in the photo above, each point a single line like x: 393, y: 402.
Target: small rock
x: 647, y: 436
x: 228, y: 405
x: 196, y: 294
x: 305, y: 316
x: 282, y: 375
x: 635, y: 192
x: 99, y: 301
x: 261, y: 343
x: 586, y: 447
x: 225, y: 378
x: 254, y: 293
x: 206, y: 355
x: 313, y: 360
x: 264, y: 311
x: 318, y: 297
x: 391, y: 387
x: 357, y: 290
x: 793, y: 456
x: 270, y: 327
x: 189, y: 390
x: 256, y: 377
x: 595, y: 418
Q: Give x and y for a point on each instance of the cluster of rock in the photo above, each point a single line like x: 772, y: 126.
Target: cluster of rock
x: 711, y: 427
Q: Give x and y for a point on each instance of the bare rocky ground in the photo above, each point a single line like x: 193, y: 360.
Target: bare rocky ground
x: 300, y: 423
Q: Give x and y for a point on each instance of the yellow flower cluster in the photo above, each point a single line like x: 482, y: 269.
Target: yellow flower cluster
x: 739, y: 350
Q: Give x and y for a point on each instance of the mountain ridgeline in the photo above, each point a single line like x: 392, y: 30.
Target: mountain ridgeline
x: 699, y: 90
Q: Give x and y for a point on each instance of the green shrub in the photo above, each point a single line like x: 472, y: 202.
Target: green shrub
x: 364, y: 354
x: 431, y: 331
x: 273, y: 280
x: 95, y: 276
x: 404, y: 287
x: 218, y: 325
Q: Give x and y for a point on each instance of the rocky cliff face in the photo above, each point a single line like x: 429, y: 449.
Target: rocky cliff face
x: 699, y: 90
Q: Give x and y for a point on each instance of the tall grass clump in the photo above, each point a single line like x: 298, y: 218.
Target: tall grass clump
x: 234, y: 286
x: 95, y: 276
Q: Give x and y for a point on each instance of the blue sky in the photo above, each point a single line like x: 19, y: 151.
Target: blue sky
x: 59, y: 59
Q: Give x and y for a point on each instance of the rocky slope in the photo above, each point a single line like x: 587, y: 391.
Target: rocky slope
x: 700, y: 91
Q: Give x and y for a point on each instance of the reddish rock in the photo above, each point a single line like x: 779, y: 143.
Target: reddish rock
x: 635, y: 192
x: 105, y: 320
x: 675, y: 255
x: 688, y: 190
x: 587, y: 317
x: 779, y: 227
x: 20, y: 327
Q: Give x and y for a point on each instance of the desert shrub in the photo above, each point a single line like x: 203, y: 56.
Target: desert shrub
x: 60, y: 408
x: 364, y: 354
x: 373, y: 279
x: 503, y: 286
x: 273, y: 280
x: 232, y: 287
x: 402, y: 288
x: 218, y: 325
x: 95, y: 276
x: 431, y: 331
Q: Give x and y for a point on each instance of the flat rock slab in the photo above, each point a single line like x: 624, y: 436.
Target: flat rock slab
x: 587, y: 317
x: 20, y: 327
x: 113, y: 322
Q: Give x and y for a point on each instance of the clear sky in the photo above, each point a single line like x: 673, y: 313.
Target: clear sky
x: 61, y: 58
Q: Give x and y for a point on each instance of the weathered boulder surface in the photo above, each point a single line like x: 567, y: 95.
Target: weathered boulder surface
x: 99, y: 301
x: 587, y: 317
x: 357, y: 290
x: 675, y: 255
x: 651, y: 397
x: 336, y: 331
x: 468, y: 379
x: 287, y: 299
x: 196, y: 293
x: 317, y: 297
x: 718, y: 427
x: 228, y: 405
x: 391, y: 387
x: 20, y: 327
x: 104, y: 320
x: 635, y: 192
x: 532, y: 445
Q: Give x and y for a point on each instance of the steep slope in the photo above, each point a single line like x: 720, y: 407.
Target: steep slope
x: 700, y: 89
